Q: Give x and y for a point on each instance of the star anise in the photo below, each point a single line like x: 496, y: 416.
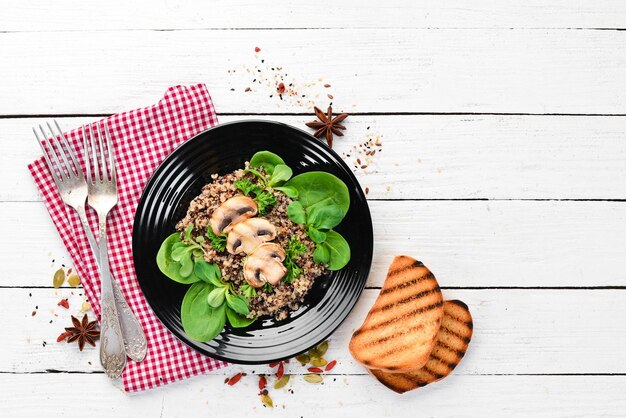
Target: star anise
x: 83, y: 332
x: 327, y: 125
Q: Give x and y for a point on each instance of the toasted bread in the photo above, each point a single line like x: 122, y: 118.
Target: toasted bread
x: 450, y: 346
x: 399, y: 331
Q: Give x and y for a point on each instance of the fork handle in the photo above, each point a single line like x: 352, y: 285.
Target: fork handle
x: 112, y: 352
x: 135, y: 343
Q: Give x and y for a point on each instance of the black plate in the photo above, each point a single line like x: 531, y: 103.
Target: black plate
x: 180, y: 178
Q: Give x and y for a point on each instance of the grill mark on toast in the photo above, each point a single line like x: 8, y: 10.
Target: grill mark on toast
x: 411, y: 313
x: 392, y: 336
x: 447, y: 347
x: 442, y: 361
x: 456, y: 334
x: 408, y: 283
x: 432, y: 373
x: 399, y: 270
x: 405, y: 300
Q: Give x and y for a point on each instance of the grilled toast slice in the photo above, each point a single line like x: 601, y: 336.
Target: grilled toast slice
x: 450, y: 346
x: 399, y: 331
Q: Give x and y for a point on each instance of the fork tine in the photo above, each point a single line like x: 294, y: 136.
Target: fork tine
x: 76, y: 165
x: 68, y: 167
x: 53, y: 171
x: 86, y: 155
x: 111, y: 153
x: 94, y: 154
x: 105, y: 173
x: 53, y: 152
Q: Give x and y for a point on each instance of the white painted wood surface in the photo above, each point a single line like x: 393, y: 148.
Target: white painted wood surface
x: 492, y: 173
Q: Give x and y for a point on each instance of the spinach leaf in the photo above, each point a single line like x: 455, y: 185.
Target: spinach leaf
x: 318, y: 188
x: 324, y: 217
x: 170, y: 267
x: 267, y: 160
x: 295, y: 212
x: 216, y: 296
x: 247, y: 290
x: 316, y: 235
x: 237, y: 303
x: 281, y: 174
x: 338, y: 249
x: 208, y: 273
x: 289, y: 191
x: 200, y: 321
x: 321, y: 255
x: 236, y: 320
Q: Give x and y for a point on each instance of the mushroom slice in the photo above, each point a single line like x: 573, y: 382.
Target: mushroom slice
x: 249, y: 234
x: 265, y: 265
x: 231, y: 212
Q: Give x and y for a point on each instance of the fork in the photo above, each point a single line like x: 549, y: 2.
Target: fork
x: 70, y: 181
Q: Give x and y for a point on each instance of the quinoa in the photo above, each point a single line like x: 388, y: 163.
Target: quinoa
x: 285, y: 296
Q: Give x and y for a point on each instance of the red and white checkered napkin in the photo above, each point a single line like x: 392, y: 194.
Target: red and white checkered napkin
x: 142, y: 139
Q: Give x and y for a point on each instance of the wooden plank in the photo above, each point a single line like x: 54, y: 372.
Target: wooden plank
x: 515, y: 332
x: 433, y: 157
x: 466, y: 244
x: 351, y: 396
x: 34, y: 15
x: 399, y: 70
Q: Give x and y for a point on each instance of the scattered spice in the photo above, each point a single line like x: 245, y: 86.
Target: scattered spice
x: 257, y: 49
x: 63, y: 336
x: 267, y: 401
x: 315, y: 370
x: 248, y: 89
x: 330, y: 96
x: 233, y: 380
x: 322, y: 348
x: 272, y: 365
x: 281, y: 370
x: 83, y: 332
x: 303, y: 359
x: 318, y: 362
x: 34, y: 313
x: 73, y: 280
x: 280, y: 89
x: 330, y: 365
x: 327, y: 85
x: 85, y: 306
x: 327, y: 125
x: 313, y: 378
x: 367, y: 190
x: 59, y: 278
x: 280, y: 383
x: 64, y: 303
x: 262, y: 382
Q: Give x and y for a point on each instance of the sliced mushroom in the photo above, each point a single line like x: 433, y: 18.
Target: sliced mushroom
x: 231, y: 212
x: 265, y: 265
x: 249, y: 234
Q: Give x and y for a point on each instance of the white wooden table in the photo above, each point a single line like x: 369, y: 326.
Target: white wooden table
x: 504, y: 170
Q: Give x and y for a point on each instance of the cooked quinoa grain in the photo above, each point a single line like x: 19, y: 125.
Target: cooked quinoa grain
x: 280, y: 299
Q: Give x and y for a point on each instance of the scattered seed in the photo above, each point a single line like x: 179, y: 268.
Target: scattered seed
x: 267, y: 401
x: 272, y: 365
x: 322, y: 348
x: 280, y: 89
x: 34, y: 313
x: 262, y: 382
x: 330, y: 365
x: 73, y: 280
x: 59, y: 278
x: 367, y: 190
x: 248, y: 89
x: 257, y: 49
x: 319, y: 362
x: 281, y: 370
x: 85, y: 306
x: 64, y: 303
x: 315, y: 370
x: 313, y: 378
x: 63, y: 336
x: 280, y: 383
x: 303, y: 359
x: 330, y: 96
x: 327, y: 85
x: 233, y: 380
